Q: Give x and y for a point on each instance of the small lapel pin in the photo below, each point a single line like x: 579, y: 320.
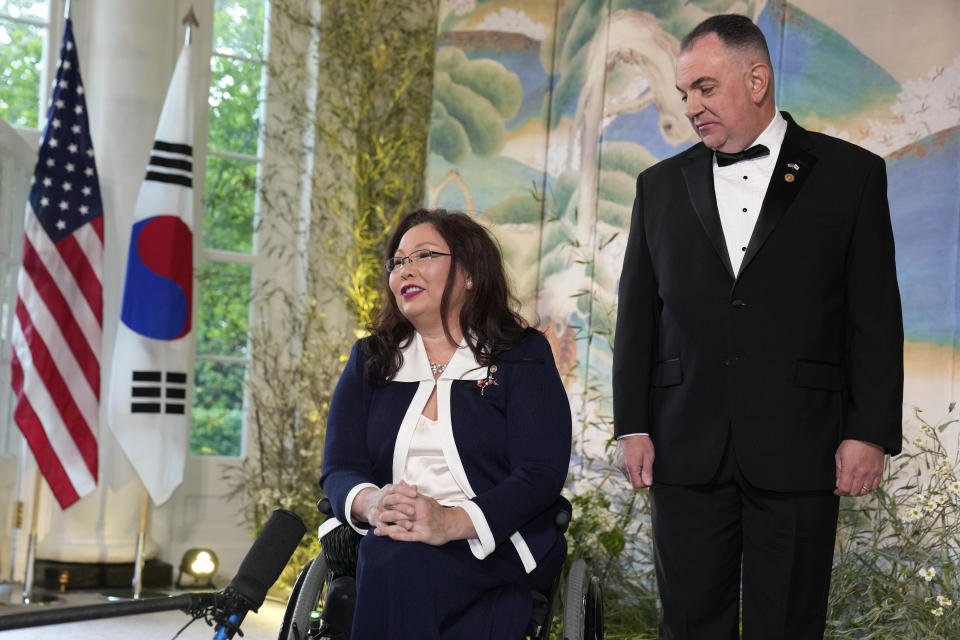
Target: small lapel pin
x: 793, y: 165
x: 490, y: 380
x: 789, y: 177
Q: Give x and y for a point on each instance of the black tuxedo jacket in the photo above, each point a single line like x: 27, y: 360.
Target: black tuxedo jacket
x: 801, y: 349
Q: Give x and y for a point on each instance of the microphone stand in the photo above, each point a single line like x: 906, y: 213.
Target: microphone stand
x: 187, y: 602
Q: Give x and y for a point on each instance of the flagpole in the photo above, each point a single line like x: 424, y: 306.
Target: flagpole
x: 141, y: 537
x: 32, y: 540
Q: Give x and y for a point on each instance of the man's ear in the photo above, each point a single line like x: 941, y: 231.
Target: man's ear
x: 759, y: 80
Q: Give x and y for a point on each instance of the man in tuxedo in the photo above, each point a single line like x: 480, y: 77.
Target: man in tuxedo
x: 758, y: 361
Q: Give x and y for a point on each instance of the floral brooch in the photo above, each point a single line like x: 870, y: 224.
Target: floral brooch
x: 489, y: 380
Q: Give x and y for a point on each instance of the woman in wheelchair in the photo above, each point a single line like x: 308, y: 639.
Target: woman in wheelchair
x: 447, y: 445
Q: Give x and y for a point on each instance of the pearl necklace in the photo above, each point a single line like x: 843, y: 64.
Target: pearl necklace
x: 436, y: 369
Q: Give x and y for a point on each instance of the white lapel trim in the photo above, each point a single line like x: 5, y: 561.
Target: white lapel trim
x: 462, y: 366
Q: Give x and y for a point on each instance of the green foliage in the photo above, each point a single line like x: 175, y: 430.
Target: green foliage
x: 478, y: 95
x: 217, y: 415
x: 375, y: 97
x: 229, y: 201
x: 293, y: 372
x: 447, y: 136
x: 487, y: 78
x: 515, y: 209
x: 614, y: 214
x: 223, y: 316
x: 21, y: 52
x: 481, y: 121
x: 896, y: 571
x: 627, y: 157
x: 238, y: 27
x: 618, y: 187
x: 235, y: 114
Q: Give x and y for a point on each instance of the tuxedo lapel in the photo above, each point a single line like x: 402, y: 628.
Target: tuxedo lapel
x: 789, y: 174
x: 698, y: 174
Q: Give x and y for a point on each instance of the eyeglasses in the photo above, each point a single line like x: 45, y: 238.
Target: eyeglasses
x: 424, y: 255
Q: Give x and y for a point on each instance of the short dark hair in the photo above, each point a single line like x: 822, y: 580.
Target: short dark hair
x: 488, y: 319
x: 735, y: 31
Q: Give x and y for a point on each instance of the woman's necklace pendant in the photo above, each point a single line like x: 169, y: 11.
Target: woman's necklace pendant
x: 436, y: 369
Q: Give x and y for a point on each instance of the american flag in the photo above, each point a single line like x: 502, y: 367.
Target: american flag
x: 59, y: 313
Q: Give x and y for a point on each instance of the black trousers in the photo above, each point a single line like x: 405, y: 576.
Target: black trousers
x: 727, y: 542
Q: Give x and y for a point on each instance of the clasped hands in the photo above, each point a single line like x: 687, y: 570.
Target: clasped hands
x: 401, y: 512
x: 859, y: 464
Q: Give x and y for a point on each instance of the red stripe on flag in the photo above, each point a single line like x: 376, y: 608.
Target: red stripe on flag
x: 46, y: 457
x: 75, y: 259
x: 97, y: 224
x: 59, y: 309
x: 82, y: 433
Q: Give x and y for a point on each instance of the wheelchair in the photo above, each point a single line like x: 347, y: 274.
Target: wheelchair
x: 320, y: 606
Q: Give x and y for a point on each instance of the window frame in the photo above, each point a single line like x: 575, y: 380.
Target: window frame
x: 253, y: 259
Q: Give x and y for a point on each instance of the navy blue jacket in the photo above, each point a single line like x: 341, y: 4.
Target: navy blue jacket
x: 507, y: 432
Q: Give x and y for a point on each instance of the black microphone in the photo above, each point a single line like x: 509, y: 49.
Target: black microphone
x: 259, y: 570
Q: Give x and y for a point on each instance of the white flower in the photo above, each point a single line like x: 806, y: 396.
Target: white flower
x: 606, y: 521
x: 918, y: 441
x: 913, y: 515
x: 944, y: 601
x: 940, y: 498
x: 582, y: 487
x: 955, y: 487
x: 937, y: 612
x: 927, y: 574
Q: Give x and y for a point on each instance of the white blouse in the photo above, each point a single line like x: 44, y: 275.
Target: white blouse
x: 427, y: 467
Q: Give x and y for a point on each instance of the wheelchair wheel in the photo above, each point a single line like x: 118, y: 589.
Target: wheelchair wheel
x: 582, y: 604
x: 303, y: 601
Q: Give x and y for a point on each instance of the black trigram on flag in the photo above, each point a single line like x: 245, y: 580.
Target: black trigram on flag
x: 151, y: 393
x: 171, y: 162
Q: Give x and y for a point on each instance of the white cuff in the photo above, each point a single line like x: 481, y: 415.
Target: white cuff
x: 529, y: 564
x: 348, y: 505
x: 484, y: 544
x: 627, y: 435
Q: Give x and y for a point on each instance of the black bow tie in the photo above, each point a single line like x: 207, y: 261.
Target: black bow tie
x: 756, y: 151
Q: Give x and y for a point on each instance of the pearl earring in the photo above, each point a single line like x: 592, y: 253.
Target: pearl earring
x: 469, y: 284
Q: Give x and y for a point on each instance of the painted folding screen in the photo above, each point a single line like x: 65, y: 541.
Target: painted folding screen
x: 545, y: 111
